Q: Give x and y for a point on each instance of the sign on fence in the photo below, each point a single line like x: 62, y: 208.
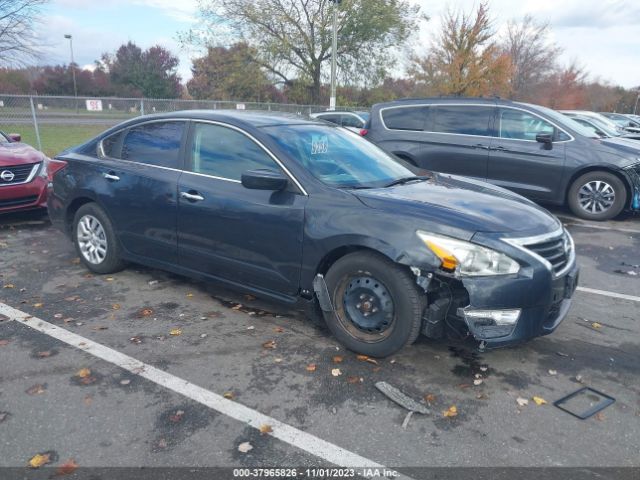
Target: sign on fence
x: 94, y: 105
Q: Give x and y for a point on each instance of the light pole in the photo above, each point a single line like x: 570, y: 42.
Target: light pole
x: 73, y: 67
x: 334, y: 51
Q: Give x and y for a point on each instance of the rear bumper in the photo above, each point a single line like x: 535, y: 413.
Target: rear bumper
x: 24, y: 197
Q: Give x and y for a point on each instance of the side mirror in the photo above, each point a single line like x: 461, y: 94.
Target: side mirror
x: 15, y: 137
x: 264, y: 179
x: 545, y: 138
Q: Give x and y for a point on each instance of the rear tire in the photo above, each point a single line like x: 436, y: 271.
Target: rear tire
x: 378, y: 306
x: 597, y: 196
x: 95, y: 240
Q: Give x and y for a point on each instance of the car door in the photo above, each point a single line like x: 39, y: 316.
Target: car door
x: 520, y: 163
x: 140, y: 170
x: 252, y: 237
x: 457, y: 139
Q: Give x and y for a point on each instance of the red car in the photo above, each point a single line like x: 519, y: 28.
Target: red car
x: 24, y: 175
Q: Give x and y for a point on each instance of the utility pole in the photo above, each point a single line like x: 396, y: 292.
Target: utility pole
x: 73, y: 68
x: 334, y: 52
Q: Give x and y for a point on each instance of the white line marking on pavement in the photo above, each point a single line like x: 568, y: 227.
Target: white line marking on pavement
x: 286, y: 433
x: 609, y: 294
x: 602, y: 227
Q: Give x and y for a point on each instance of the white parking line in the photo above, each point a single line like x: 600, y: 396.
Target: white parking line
x: 302, y: 440
x: 623, y: 296
x: 602, y: 227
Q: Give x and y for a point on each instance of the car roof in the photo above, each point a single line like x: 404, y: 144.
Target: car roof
x: 239, y: 117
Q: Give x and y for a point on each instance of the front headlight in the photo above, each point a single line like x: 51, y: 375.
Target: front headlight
x: 468, y: 259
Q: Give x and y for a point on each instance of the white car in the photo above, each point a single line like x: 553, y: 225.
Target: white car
x: 586, y: 113
x: 354, y: 121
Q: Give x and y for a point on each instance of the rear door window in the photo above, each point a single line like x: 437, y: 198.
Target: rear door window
x: 111, y: 146
x: 351, y: 121
x: 462, y: 119
x: 156, y: 143
x: 520, y: 125
x: 405, y: 118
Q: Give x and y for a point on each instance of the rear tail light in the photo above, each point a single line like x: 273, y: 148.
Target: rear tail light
x: 363, y: 132
x: 51, y: 167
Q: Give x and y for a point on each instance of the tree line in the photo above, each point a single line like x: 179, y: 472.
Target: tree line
x: 280, y: 50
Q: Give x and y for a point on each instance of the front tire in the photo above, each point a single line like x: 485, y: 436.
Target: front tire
x: 378, y: 306
x: 95, y: 240
x: 597, y: 196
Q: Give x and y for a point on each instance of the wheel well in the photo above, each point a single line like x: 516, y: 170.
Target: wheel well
x: 72, y: 209
x: 334, y: 255
x: 575, y: 176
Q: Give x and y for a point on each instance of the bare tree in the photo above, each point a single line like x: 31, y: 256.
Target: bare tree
x: 292, y: 38
x: 533, y: 56
x: 18, y: 40
x: 465, y: 59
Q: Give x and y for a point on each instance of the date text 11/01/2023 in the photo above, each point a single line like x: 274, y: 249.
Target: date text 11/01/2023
x: 377, y: 472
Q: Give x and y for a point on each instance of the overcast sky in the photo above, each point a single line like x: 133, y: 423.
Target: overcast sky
x: 601, y: 35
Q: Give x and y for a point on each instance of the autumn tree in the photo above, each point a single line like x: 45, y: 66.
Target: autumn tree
x: 533, y: 56
x: 291, y: 39
x: 465, y: 59
x: 18, y: 27
x: 565, y: 89
x: 151, y: 72
x: 228, y: 74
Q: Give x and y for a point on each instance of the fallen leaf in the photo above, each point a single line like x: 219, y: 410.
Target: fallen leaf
x: 278, y: 329
x: 271, y: 344
x: 176, y: 417
x: 4, y: 342
x: 372, y: 360
x: 88, y: 380
x: 162, y: 443
x: 44, y: 354
x: 462, y: 386
x: 595, y: 325
x: 522, y: 401
x: 115, y: 306
x: 37, y: 389
x: 451, y: 412
x: 136, y: 340
x: 311, y: 367
x: 175, y: 332
x: 553, y: 372
x: 189, y: 295
x: 75, y: 261
x: 9, y: 285
x: 337, y: 359
x: 145, y: 312
x: 88, y: 399
x: 477, y: 381
x: 336, y: 372
x: 362, y: 358
x: 39, y: 460
x: 539, y: 401
x: 3, y: 416
x: 67, y: 468
x: 600, y: 416
x: 245, y: 447
x: 229, y: 395
x: 430, y: 398
x: 354, y: 379
x: 237, y: 307
x: 264, y: 429
x: 125, y: 381
x: 249, y: 298
x: 109, y: 279
x: 38, y: 305
x: 100, y: 327
x: 83, y: 373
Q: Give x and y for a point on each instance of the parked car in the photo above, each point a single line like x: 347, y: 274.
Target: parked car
x: 306, y: 213
x: 354, y: 121
x: 623, y: 121
x: 602, y: 130
x: 598, y: 116
x: 24, y: 174
x: 532, y: 150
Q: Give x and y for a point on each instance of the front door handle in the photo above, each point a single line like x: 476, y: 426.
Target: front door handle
x: 192, y: 197
x: 111, y: 176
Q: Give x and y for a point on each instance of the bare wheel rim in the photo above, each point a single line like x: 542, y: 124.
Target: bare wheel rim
x: 596, y: 196
x: 92, y: 239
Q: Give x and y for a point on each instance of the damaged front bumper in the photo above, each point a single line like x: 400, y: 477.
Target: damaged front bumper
x: 504, y: 310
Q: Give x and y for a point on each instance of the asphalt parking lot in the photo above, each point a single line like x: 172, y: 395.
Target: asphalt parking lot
x: 203, y: 353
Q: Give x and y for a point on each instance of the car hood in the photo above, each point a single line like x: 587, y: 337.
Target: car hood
x: 463, y: 204
x: 18, y: 154
x: 624, y: 147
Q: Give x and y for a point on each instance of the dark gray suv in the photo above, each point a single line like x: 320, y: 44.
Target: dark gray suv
x: 532, y: 150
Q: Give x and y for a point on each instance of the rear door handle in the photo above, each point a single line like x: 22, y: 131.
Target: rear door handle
x: 192, y: 197
x: 111, y: 177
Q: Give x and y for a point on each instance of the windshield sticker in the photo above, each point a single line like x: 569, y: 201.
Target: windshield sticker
x: 319, y: 144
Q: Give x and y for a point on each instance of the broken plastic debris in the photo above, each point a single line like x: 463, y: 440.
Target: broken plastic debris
x: 401, y: 399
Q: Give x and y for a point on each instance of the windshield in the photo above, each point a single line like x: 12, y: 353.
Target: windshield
x: 337, y: 157
x: 605, y: 128
x: 565, y: 121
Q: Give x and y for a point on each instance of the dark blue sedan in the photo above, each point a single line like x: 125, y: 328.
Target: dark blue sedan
x: 310, y: 214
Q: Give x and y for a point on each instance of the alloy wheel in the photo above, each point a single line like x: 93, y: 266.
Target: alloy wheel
x: 92, y: 239
x: 596, y: 196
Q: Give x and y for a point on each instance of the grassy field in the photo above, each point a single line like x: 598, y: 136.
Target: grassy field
x: 55, y: 138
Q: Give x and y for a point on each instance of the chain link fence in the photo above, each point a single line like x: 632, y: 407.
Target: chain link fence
x: 53, y: 123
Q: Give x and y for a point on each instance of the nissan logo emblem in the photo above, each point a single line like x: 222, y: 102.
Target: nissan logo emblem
x: 7, y: 176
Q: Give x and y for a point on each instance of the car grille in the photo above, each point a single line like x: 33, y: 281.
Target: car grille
x: 21, y: 173
x: 556, y: 251
x: 16, y: 202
